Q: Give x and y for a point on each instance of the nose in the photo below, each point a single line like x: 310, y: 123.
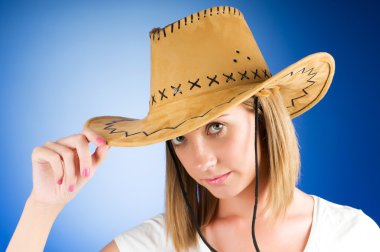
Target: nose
x: 204, y: 156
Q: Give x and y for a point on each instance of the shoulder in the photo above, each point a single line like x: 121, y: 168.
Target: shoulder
x: 148, y: 236
x: 340, y: 225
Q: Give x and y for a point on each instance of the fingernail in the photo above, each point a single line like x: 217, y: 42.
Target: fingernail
x: 59, y: 182
x: 71, y: 188
x: 100, y: 140
x: 86, y: 172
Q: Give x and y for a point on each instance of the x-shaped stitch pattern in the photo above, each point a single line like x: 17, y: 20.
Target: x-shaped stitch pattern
x: 229, y: 77
x: 162, y: 94
x: 176, y: 90
x: 243, y: 75
x: 212, y: 80
x: 153, y: 99
x: 194, y: 84
x: 256, y: 74
x: 265, y: 73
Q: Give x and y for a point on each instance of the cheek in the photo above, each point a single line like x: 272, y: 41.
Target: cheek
x: 186, y: 161
x: 238, y: 150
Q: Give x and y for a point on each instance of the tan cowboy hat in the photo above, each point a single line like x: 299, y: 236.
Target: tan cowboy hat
x: 201, y: 66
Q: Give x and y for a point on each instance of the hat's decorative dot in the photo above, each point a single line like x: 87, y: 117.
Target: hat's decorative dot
x: 235, y: 60
x: 249, y: 58
x: 237, y: 51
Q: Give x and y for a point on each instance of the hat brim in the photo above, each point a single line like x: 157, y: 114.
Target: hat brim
x: 302, y: 85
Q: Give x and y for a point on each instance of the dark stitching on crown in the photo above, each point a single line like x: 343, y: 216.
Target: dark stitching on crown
x: 113, y: 130
x: 176, y: 90
x: 212, y: 80
x: 205, y: 13
x: 243, y: 75
x: 194, y: 84
x: 265, y: 73
x: 229, y: 77
x: 153, y: 99
x: 163, y: 94
x: 256, y: 74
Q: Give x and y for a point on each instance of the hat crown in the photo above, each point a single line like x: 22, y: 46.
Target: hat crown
x: 206, y: 51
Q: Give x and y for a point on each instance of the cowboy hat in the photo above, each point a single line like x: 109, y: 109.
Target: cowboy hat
x: 201, y: 66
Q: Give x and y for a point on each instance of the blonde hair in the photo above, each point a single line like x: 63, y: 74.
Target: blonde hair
x: 280, y: 149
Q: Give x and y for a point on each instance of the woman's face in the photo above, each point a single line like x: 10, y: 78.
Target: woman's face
x: 221, y: 155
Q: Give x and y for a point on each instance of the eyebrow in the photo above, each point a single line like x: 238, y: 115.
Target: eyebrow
x: 223, y: 115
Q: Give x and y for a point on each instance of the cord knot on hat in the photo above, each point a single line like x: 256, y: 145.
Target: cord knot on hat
x: 265, y: 92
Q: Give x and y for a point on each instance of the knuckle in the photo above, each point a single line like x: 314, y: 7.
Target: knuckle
x: 81, y: 138
x: 48, y: 143
x: 68, y: 154
x: 55, y: 157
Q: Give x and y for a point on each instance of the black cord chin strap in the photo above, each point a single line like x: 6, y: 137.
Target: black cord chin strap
x: 191, y: 211
x: 256, y: 108
x: 194, y: 218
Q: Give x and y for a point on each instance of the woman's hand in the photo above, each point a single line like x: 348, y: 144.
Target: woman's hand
x: 62, y: 168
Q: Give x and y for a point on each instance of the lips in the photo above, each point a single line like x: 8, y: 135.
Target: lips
x: 218, y: 180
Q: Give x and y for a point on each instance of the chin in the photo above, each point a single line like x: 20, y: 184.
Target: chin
x: 223, y: 193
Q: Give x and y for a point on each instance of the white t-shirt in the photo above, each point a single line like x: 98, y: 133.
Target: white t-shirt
x: 334, y: 228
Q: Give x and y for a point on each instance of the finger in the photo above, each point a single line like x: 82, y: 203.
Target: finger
x: 99, y: 155
x: 81, y: 143
x: 43, y: 155
x: 68, y: 156
x: 93, y: 137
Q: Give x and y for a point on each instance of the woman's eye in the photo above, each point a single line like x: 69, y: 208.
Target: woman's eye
x: 215, y: 128
x: 178, y: 140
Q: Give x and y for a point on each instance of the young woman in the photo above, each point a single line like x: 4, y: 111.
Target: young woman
x: 232, y: 152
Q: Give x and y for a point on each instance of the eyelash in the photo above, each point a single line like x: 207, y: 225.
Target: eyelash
x: 208, y: 129
x: 212, y: 124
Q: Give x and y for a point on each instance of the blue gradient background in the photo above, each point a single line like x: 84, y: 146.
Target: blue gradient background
x: 64, y: 62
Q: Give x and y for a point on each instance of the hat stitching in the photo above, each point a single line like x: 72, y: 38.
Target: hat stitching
x: 176, y: 90
x: 243, y: 75
x: 196, y: 83
x: 113, y: 130
x: 155, y: 33
x: 212, y: 80
x: 153, y: 99
x: 256, y: 74
x: 229, y: 77
x: 265, y: 73
x: 304, y: 89
x: 163, y: 94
